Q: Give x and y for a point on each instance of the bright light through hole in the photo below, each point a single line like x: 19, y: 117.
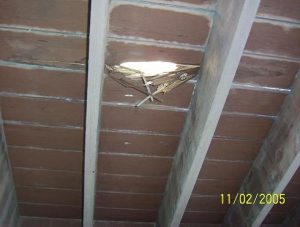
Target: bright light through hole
x: 151, y: 68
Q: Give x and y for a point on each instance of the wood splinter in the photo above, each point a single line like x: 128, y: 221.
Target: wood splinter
x: 163, y: 82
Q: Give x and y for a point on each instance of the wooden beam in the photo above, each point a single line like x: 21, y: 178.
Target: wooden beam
x: 230, y: 30
x: 277, y: 161
x: 97, y: 49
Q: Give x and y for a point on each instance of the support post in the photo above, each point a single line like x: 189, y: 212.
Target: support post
x: 97, y: 48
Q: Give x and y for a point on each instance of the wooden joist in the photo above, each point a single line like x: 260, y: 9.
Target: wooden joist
x: 231, y: 27
x: 97, y: 49
x: 277, y: 161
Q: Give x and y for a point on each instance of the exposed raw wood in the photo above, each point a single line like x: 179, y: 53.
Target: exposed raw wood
x: 232, y: 24
x: 97, y: 49
x: 277, y: 161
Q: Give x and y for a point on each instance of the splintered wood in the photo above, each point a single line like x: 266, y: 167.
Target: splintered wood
x: 162, y: 82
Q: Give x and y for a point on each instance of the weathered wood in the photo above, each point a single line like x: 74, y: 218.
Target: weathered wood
x: 97, y: 49
x: 230, y: 31
x: 277, y: 161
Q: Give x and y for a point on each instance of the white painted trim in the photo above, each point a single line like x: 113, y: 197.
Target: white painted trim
x: 97, y: 48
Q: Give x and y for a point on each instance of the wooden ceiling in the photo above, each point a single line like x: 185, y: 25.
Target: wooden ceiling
x: 43, y: 87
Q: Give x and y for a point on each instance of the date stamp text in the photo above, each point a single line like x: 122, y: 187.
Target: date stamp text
x: 251, y: 199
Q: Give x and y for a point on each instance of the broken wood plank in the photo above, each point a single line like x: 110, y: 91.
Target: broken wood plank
x: 97, y: 49
x: 274, y: 166
x: 232, y: 24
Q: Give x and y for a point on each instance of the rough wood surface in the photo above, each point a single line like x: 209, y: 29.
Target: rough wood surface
x: 230, y: 31
x: 277, y: 161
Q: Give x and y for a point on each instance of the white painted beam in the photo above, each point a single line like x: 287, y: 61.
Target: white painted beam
x: 97, y: 48
x: 231, y: 27
x: 274, y: 166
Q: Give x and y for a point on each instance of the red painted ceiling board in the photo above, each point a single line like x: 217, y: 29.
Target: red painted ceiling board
x: 114, y: 142
x: 292, y: 190
x: 49, y: 196
x: 122, y: 224
x: 245, y: 127
x: 55, y: 211
x: 133, y: 184
x: 118, y: 52
x: 48, y: 222
x: 224, y: 170
x: 46, y: 159
x: 42, y: 82
x: 125, y: 214
x: 296, y: 176
x: 142, y: 119
x: 274, y: 39
x: 129, y: 20
x: 132, y: 201
x: 275, y: 218
x: 281, y: 8
x: 198, y: 224
x: 64, y: 15
x: 60, y: 138
x: 43, y: 50
x: 53, y: 112
x: 27, y: 222
x: 47, y: 178
x: 230, y: 149
x: 266, y: 72
x: 66, y: 223
x: 271, y: 225
x: 267, y: 103
x: 216, y: 187
x: 205, y: 203
x: 133, y: 165
x: 202, y: 217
